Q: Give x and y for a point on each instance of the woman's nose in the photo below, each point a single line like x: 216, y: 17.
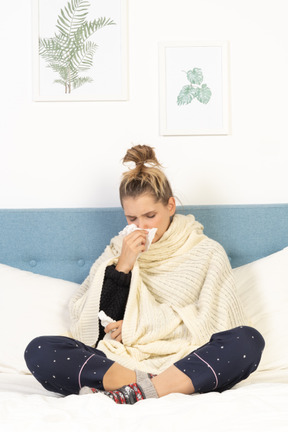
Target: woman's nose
x: 142, y: 225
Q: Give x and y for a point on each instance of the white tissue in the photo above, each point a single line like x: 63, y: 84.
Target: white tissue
x: 132, y: 227
x: 105, y: 320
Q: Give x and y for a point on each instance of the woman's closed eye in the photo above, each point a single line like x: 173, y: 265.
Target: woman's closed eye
x: 148, y: 216
x: 131, y: 219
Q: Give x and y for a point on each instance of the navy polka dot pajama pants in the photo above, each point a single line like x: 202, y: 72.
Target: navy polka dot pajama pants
x: 64, y: 365
x: 228, y: 358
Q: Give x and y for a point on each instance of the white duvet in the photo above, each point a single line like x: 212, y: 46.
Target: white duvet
x: 258, y: 404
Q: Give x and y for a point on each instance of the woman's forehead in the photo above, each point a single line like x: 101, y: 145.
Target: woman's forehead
x: 140, y: 205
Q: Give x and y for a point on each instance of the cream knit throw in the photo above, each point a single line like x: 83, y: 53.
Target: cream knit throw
x: 182, y: 291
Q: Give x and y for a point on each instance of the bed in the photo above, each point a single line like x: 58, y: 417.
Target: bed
x: 45, y: 254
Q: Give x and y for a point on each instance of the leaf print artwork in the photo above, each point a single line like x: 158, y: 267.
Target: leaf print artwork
x: 195, y: 89
x: 70, y: 52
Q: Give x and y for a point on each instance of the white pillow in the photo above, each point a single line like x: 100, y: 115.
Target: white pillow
x: 31, y: 305
x: 263, y: 289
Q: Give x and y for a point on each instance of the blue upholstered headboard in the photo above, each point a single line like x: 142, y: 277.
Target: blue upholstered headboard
x: 65, y: 242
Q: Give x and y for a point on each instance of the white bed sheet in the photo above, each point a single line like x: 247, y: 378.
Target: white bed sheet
x: 260, y: 404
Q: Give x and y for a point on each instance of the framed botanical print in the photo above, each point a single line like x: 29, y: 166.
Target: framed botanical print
x: 80, y: 50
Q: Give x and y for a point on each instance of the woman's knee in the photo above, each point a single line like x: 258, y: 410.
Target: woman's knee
x: 37, y: 348
x: 241, y: 340
x: 252, y: 338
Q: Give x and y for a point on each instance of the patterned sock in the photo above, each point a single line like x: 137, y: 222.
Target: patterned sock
x: 129, y: 394
x: 144, y: 381
x: 140, y: 375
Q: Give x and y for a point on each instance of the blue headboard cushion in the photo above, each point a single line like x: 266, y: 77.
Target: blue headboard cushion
x: 64, y: 243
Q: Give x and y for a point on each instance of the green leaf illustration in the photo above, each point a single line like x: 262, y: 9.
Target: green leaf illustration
x: 186, y: 95
x: 195, y: 76
x: 82, y: 58
x: 189, y: 92
x: 72, y: 16
x: 89, y: 28
x: 69, y: 52
x: 204, y: 94
x: 81, y: 81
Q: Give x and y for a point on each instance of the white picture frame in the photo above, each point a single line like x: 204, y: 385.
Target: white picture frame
x: 194, y: 88
x: 89, y: 61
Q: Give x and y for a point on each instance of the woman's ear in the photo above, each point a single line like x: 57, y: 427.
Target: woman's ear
x: 172, y: 205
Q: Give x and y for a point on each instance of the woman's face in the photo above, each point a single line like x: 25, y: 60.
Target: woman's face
x: 146, y: 213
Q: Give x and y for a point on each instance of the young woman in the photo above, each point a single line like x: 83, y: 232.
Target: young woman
x: 178, y: 324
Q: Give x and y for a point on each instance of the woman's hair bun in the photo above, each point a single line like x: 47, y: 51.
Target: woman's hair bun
x: 146, y: 177
x: 141, y: 155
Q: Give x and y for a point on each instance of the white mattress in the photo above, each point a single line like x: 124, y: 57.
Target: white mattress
x: 258, y: 404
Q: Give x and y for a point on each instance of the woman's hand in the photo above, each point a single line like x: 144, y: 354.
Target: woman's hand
x: 133, y: 244
x: 116, y: 330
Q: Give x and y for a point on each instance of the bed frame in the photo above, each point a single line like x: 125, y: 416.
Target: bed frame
x: 64, y: 243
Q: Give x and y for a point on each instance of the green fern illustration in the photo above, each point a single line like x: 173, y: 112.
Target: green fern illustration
x: 195, y: 89
x: 69, y: 52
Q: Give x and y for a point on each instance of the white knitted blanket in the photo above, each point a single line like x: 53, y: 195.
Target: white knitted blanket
x: 182, y: 291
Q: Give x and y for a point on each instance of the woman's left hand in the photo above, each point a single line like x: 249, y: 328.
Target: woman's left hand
x: 116, y: 330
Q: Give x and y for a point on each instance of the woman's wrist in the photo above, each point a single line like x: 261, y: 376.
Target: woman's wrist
x: 122, y: 268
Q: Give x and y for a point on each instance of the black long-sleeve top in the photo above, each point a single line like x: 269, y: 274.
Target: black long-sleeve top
x: 114, y: 295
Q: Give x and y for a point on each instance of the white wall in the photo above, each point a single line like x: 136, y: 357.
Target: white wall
x: 69, y: 154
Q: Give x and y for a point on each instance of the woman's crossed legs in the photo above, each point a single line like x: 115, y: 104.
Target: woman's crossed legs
x: 65, y: 366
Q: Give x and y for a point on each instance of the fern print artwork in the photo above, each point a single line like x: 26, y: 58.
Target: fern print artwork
x: 70, y: 52
x: 194, y: 90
